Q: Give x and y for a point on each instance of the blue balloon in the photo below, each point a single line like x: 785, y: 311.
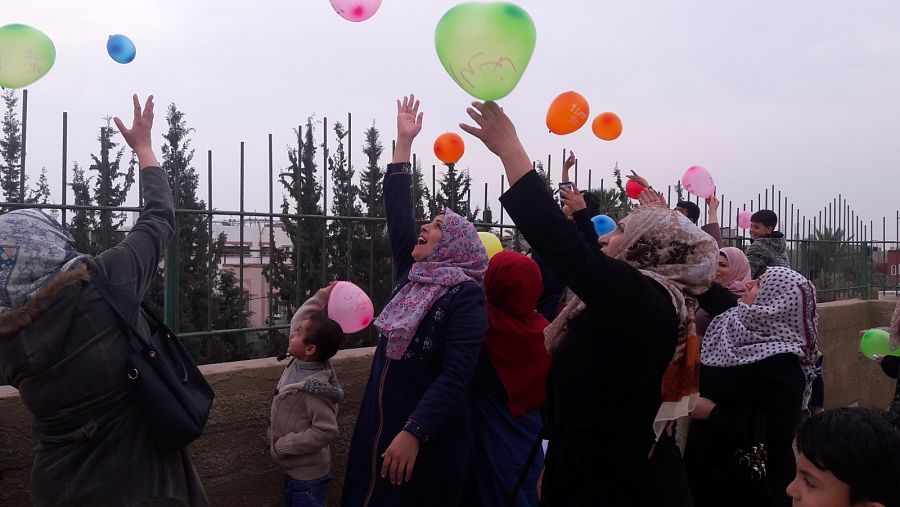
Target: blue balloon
x: 120, y: 48
x: 603, y: 225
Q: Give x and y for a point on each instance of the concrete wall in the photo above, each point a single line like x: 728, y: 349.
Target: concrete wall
x: 232, y: 455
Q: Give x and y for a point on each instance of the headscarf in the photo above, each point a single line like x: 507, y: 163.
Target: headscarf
x: 33, y: 248
x: 783, y: 319
x: 515, y: 340
x: 665, y: 246
x: 458, y: 257
x: 739, y: 270
x: 737, y: 283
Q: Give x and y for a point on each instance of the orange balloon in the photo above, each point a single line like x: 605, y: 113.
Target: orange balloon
x: 607, y: 126
x: 449, y: 147
x: 567, y: 113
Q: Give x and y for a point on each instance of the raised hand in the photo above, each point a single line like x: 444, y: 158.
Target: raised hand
x: 568, y: 164
x: 138, y: 136
x: 409, y: 119
x: 649, y: 197
x: 499, y: 135
x: 637, y: 178
x: 574, y: 199
x: 409, y: 124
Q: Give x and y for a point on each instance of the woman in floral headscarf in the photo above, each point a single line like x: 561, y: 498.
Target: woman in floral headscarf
x: 624, y: 352
x: 411, y: 443
x: 758, y: 364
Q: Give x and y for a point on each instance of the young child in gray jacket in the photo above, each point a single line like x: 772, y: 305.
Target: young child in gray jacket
x: 304, y: 411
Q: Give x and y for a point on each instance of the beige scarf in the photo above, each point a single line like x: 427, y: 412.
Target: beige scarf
x: 667, y: 247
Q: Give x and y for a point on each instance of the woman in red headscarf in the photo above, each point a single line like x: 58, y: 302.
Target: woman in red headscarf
x: 509, y: 385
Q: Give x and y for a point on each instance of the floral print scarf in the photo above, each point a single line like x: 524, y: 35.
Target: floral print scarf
x: 33, y: 248
x: 458, y: 257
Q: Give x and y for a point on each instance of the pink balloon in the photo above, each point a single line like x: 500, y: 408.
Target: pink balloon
x: 744, y: 219
x: 356, y: 10
x: 350, y: 307
x: 697, y: 181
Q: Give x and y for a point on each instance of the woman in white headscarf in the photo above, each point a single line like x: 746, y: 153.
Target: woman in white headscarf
x: 757, y: 367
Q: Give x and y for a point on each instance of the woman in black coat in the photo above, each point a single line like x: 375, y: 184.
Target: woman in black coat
x: 621, y: 349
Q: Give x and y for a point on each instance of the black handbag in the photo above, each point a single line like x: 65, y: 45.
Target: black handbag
x: 175, y: 396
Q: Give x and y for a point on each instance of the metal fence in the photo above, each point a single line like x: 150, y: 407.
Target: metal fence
x: 834, y: 247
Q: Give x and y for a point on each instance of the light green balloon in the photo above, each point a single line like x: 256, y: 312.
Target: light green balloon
x: 485, y: 47
x: 26, y: 54
x: 876, y: 342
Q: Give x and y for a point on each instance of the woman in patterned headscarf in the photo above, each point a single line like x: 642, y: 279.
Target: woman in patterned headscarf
x: 758, y: 363
x: 624, y: 352
x: 411, y: 443
x: 62, y: 346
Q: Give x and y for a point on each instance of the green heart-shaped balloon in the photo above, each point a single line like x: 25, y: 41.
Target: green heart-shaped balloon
x: 26, y: 54
x: 485, y: 47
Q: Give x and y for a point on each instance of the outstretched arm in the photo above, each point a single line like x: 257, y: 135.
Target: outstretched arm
x: 398, y: 204
x: 138, y: 136
x: 132, y: 264
x: 568, y: 164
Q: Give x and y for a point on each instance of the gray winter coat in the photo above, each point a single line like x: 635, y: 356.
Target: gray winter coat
x: 65, y: 353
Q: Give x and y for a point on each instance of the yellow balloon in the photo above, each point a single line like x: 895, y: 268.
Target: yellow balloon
x: 491, y: 243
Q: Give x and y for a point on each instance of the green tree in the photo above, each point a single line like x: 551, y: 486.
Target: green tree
x: 40, y: 195
x: 303, y: 193
x: 11, y: 150
x: 611, y: 203
x: 82, y: 219
x: 375, y: 257
x: 421, y: 196
x: 199, y: 254
x: 454, y: 193
x: 111, y: 186
x: 342, y: 235
x: 227, y: 314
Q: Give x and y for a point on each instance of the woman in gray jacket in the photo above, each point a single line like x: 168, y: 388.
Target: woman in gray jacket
x: 63, y: 349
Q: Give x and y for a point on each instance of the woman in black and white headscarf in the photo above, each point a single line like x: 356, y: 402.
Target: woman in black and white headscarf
x: 757, y: 366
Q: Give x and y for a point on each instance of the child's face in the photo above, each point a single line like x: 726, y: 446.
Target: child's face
x: 297, y: 347
x: 758, y: 230
x: 817, y: 488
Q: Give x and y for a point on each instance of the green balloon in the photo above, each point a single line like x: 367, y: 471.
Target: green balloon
x: 26, y: 54
x: 485, y: 47
x: 876, y: 342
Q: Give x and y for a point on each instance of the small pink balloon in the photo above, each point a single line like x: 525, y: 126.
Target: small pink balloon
x: 697, y: 181
x: 744, y: 219
x: 356, y: 10
x: 350, y: 307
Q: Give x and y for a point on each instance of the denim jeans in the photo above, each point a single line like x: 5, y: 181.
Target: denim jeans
x: 299, y: 493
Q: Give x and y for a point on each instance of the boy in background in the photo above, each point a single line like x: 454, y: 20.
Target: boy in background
x: 768, y: 246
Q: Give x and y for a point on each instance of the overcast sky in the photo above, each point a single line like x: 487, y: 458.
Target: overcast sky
x: 803, y: 94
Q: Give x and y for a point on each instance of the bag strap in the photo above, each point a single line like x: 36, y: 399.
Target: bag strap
x: 100, y: 284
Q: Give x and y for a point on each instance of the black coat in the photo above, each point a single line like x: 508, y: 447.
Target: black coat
x: 758, y: 401
x: 605, y: 379
x: 428, y: 388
